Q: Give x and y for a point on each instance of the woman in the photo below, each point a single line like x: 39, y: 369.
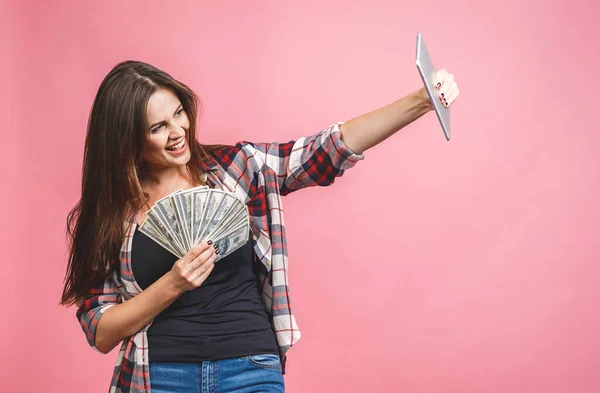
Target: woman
x: 189, y: 324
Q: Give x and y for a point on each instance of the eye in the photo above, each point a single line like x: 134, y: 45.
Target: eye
x: 179, y: 112
x: 155, y: 130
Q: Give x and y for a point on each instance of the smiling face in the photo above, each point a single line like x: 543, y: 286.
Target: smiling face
x: 166, y: 145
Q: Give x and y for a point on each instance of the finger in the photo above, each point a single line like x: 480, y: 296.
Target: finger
x: 194, y: 274
x: 202, y: 258
x: 197, y: 250
x: 200, y: 275
x: 187, y: 269
x: 202, y: 278
x: 446, y: 85
x: 452, y: 94
x: 457, y: 92
x: 439, y: 78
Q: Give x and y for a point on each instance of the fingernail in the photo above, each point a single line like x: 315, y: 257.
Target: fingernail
x: 217, y: 252
x: 442, y: 94
x: 209, y: 242
x: 438, y: 85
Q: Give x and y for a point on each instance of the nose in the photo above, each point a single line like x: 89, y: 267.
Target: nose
x: 176, y: 131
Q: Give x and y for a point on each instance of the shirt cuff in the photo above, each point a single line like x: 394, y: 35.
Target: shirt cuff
x: 341, y: 147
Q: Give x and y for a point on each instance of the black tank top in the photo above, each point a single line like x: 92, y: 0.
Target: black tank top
x: 222, y: 318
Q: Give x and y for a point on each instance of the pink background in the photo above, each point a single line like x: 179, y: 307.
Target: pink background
x: 432, y: 266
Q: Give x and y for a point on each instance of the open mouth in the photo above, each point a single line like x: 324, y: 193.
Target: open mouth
x: 178, y: 147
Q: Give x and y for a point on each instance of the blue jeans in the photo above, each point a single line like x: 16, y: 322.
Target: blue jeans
x: 256, y: 373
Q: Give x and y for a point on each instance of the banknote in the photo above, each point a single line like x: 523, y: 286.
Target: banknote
x: 166, y: 213
x: 152, y: 216
x: 198, y: 205
x: 182, y: 203
x: 182, y: 219
x: 221, y: 211
x: 239, y: 216
x: 212, y: 202
x: 149, y: 230
x: 231, y: 242
x: 182, y: 212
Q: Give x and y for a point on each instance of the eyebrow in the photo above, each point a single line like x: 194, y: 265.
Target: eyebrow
x: 162, y: 122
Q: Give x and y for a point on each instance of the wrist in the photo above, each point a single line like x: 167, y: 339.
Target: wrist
x: 173, y: 284
x: 423, y: 100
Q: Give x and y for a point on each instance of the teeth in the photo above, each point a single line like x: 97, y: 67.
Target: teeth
x: 177, y: 146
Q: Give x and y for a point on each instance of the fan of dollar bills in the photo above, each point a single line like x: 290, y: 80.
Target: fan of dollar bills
x: 185, y: 218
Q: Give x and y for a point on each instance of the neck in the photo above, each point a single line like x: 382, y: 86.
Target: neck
x: 166, y: 178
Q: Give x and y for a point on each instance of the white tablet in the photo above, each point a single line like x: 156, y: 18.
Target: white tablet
x: 427, y: 71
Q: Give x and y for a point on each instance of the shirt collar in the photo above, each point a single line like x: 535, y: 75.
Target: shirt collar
x: 208, y: 163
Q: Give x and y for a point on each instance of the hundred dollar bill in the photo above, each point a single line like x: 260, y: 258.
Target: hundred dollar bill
x: 213, y: 200
x: 189, y: 197
x: 159, y: 223
x: 242, y: 222
x: 148, y: 224
x: 230, y: 243
x: 227, y: 202
x: 183, y: 218
x: 237, y: 217
x: 199, y: 199
x: 182, y: 212
x: 148, y: 229
x: 167, y: 213
x: 236, y: 206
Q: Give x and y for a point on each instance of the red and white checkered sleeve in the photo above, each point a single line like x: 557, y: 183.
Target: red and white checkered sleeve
x: 315, y: 160
x: 96, y: 302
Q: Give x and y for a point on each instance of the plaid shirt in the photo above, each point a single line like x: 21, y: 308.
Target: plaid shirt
x: 259, y: 174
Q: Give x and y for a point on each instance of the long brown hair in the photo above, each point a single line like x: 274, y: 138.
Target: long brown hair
x: 110, y: 189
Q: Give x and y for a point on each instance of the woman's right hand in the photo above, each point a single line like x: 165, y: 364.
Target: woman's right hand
x: 125, y: 319
x: 190, y: 271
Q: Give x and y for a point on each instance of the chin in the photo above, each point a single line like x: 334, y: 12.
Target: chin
x: 183, y: 160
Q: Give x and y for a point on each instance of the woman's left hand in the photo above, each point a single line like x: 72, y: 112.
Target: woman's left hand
x: 446, y: 86
x: 365, y: 131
